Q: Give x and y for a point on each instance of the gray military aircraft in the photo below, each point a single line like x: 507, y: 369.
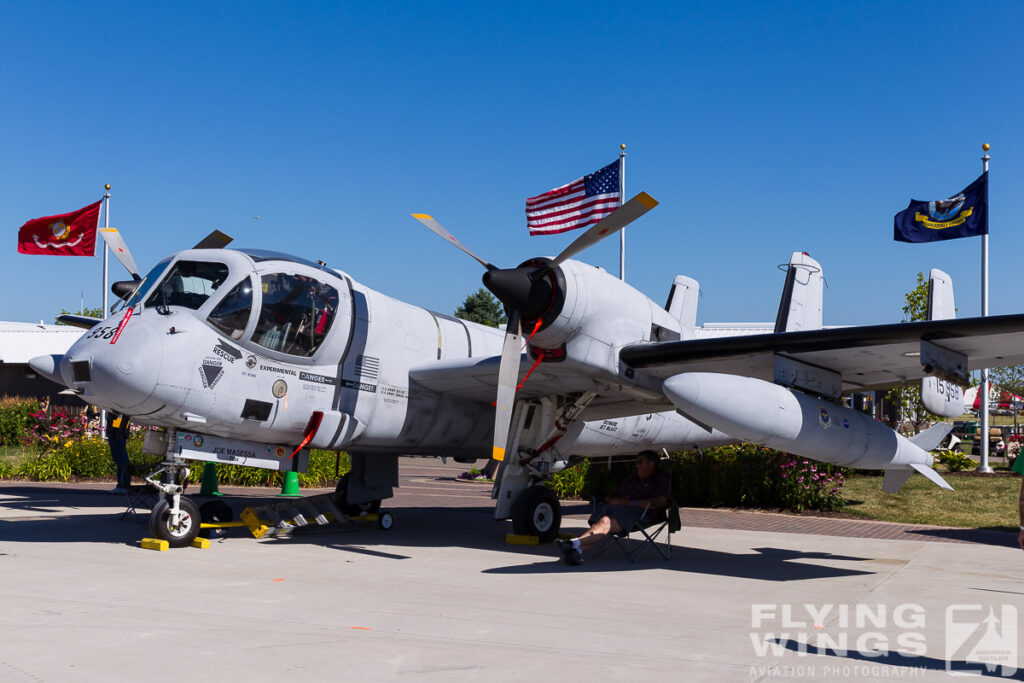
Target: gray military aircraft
x: 251, y: 357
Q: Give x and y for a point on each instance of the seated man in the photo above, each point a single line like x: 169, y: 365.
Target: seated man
x: 624, y: 507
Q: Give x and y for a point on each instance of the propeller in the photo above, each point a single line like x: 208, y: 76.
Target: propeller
x: 215, y: 240
x: 117, y: 245
x: 122, y: 289
x: 527, y: 292
x: 439, y: 230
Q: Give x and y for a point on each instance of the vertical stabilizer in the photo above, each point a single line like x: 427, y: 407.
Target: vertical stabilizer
x: 940, y: 396
x: 940, y: 296
x: 800, y: 307
x: 682, y: 301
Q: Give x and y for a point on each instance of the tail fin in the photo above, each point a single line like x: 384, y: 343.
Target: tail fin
x: 938, y: 395
x: 930, y: 438
x: 800, y: 307
x: 895, y: 479
x: 682, y: 301
x: 926, y: 440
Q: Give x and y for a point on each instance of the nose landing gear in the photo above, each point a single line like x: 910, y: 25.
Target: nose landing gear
x: 174, y: 518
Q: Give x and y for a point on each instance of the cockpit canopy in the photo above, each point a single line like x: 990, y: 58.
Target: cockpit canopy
x: 296, y: 313
x: 189, y: 284
x: 288, y: 312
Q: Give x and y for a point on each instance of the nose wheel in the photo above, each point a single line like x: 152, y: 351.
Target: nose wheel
x: 176, y: 526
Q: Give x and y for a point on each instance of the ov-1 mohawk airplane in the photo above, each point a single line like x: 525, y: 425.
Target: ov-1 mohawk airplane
x: 251, y: 357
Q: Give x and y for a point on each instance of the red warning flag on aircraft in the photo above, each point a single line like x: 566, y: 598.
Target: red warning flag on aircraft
x: 67, y: 234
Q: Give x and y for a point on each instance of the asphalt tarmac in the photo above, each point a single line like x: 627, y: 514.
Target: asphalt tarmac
x: 442, y: 597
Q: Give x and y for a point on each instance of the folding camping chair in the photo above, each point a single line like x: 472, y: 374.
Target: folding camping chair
x: 144, y: 495
x: 650, y: 527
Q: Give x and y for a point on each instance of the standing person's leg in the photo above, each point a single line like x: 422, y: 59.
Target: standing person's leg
x: 119, y: 453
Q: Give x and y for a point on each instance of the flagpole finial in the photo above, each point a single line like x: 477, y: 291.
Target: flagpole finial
x: 986, y: 147
x: 107, y: 187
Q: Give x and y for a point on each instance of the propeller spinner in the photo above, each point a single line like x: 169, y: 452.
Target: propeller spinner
x: 526, y: 292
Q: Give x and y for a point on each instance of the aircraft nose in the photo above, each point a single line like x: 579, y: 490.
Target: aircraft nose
x: 49, y: 367
x: 120, y: 376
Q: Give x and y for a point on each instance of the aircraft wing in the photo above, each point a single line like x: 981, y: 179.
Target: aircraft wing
x: 867, y: 357
x: 476, y: 379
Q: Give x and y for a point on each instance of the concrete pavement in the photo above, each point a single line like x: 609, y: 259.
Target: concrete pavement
x: 442, y: 597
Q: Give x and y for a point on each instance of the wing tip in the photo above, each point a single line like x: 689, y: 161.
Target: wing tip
x: 422, y: 216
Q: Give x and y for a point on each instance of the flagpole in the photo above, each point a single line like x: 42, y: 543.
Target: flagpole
x: 106, y: 224
x: 984, y: 466
x: 622, y: 200
x: 103, y: 311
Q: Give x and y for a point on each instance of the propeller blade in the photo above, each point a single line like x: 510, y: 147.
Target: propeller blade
x: 215, y: 240
x: 508, y: 376
x: 439, y: 230
x: 117, y: 245
x: 609, y: 225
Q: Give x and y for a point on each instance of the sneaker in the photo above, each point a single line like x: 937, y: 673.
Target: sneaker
x: 569, y: 551
x: 116, y: 490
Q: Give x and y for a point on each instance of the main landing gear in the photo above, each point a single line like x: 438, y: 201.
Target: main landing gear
x: 370, y: 507
x: 537, y: 512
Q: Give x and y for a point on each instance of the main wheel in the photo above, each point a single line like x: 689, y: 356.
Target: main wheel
x: 177, y: 534
x: 537, y: 512
x: 354, y: 509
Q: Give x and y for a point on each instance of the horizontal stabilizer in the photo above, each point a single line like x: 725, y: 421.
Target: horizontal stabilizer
x: 931, y: 474
x: 895, y: 479
x: 930, y: 438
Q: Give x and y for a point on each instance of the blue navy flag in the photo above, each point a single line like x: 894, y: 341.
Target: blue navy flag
x: 963, y: 215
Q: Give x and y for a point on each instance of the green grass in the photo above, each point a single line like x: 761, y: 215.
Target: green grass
x: 978, y: 502
x: 16, y: 455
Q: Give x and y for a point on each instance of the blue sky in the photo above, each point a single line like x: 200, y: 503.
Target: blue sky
x: 762, y: 128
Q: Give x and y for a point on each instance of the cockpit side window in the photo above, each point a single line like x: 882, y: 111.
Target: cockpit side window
x: 189, y: 284
x: 296, y: 313
x: 231, y: 315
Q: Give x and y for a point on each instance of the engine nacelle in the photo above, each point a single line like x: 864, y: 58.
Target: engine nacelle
x: 591, y: 314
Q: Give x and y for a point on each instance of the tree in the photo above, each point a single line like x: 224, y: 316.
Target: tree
x: 91, y: 312
x: 907, y: 399
x: 481, y: 307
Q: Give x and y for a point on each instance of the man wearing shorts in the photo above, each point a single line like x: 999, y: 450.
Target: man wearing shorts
x: 646, y: 489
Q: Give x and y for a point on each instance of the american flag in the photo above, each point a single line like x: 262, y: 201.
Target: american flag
x: 581, y: 203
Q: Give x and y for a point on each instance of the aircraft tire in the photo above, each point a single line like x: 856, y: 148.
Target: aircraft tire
x: 355, y: 509
x: 181, y: 535
x: 537, y: 512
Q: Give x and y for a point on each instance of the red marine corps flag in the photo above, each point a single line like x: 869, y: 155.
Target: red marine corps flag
x: 68, y: 234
